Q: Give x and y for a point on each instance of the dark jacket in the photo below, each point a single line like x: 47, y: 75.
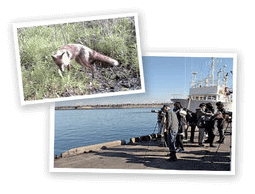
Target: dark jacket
x: 223, y: 111
x: 202, y: 117
x: 209, y: 119
x: 191, y: 118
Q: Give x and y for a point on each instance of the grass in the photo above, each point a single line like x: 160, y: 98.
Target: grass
x: 115, y: 38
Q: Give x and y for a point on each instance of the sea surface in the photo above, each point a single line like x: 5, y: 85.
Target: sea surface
x: 77, y: 128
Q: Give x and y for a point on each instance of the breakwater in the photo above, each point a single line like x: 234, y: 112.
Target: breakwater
x: 101, y: 146
x: 111, y: 106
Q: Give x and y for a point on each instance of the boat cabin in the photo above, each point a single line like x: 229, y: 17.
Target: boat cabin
x: 209, y: 93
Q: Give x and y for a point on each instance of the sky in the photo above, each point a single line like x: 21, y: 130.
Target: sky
x: 163, y: 76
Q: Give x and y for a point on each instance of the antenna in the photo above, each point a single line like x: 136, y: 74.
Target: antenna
x: 225, y: 76
x: 213, y: 69
x: 218, y: 76
x: 211, y: 72
x: 194, y: 78
x: 224, y: 69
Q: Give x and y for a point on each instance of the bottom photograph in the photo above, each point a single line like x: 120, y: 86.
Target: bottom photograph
x: 183, y: 124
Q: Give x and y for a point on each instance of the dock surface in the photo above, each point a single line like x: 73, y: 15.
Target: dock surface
x: 152, y: 155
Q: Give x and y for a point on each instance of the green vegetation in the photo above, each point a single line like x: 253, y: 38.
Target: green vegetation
x: 115, y: 38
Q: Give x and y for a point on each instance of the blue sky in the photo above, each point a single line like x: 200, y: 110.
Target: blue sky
x: 163, y: 77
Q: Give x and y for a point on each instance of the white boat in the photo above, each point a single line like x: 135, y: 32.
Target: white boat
x: 207, y: 90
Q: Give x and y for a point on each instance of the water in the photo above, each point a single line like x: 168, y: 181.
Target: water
x: 76, y: 128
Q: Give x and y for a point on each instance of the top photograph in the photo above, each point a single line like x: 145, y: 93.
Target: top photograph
x: 78, y: 58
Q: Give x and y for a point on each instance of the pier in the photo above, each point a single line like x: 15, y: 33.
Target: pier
x: 148, y: 153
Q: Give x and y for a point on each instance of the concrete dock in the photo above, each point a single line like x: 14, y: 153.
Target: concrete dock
x: 151, y: 155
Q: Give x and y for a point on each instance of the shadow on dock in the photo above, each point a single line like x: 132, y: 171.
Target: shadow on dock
x: 153, y: 156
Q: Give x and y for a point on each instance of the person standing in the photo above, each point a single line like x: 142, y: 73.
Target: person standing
x: 162, y: 126
x: 201, y: 123
x: 221, y: 112
x: 181, y: 116
x: 192, y: 123
x: 172, y: 130
x: 209, y: 126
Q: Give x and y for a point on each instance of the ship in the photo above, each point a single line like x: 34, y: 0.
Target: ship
x: 208, y: 90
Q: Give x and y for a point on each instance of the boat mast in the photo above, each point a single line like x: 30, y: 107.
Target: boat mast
x: 212, y: 72
x: 225, y: 75
x: 218, y: 77
x: 193, y: 79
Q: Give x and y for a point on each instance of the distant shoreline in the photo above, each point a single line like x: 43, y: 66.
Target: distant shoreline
x: 112, y: 106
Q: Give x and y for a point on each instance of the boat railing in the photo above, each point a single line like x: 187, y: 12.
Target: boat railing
x: 176, y: 96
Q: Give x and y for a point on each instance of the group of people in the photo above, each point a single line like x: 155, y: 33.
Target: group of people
x: 176, y: 123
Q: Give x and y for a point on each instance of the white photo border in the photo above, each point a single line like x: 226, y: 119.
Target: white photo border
x: 69, y: 20
x: 146, y: 171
